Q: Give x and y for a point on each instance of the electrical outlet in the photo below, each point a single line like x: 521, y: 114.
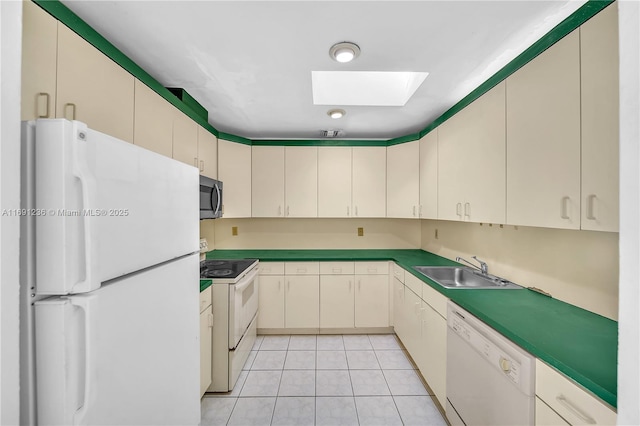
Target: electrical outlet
x: 436, y: 233
x: 234, y: 230
x: 204, y: 247
x: 360, y: 232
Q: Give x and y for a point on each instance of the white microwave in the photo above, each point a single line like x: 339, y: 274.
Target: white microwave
x: 210, y: 198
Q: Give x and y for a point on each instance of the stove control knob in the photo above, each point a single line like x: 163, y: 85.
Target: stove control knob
x: 505, y: 364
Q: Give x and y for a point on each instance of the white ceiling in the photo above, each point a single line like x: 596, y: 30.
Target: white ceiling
x: 249, y: 63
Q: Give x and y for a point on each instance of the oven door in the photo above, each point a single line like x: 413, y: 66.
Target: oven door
x: 243, y: 305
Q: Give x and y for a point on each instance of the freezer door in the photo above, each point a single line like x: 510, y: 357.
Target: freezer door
x: 126, y: 354
x: 106, y: 208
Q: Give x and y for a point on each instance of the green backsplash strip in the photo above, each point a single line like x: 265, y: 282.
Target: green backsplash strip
x: 84, y: 30
x: 73, y: 21
x: 320, y: 142
x: 579, y: 17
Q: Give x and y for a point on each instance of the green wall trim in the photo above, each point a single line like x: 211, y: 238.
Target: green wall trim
x: 234, y: 138
x: 572, y: 22
x: 317, y: 142
x: 75, y: 23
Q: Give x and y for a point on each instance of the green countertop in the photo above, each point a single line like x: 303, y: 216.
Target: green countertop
x: 581, y: 344
x: 205, y: 284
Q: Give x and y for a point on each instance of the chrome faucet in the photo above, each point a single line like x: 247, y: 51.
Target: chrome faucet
x: 484, y: 269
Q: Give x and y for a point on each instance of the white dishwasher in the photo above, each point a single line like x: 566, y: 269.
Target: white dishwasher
x: 490, y: 380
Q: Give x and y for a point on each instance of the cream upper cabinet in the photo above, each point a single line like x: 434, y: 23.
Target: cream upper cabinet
x: 185, y: 139
x: 334, y: 182
x: 234, y: 170
x: 429, y: 175
x: 207, y: 153
x: 403, y: 180
x: 39, y: 55
x: 543, y: 139
x: 267, y: 181
x: 471, y: 160
x: 369, y: 180
x: 301, y: 181
x: 153, y: 121
x: 600, y: 135
x: 92, y: 88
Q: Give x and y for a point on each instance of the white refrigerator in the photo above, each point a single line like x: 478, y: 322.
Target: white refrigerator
x: 110, y: 281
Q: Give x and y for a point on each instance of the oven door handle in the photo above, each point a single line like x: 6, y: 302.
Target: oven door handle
x: 246, y: 280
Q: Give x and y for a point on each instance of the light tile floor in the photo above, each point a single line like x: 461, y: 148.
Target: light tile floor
x: 325, y: 380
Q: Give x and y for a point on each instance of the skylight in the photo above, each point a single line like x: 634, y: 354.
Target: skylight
x: 367, y: 88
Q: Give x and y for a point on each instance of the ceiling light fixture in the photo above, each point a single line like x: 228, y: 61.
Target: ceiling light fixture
x: 344, y: 51
x: 336, y: 113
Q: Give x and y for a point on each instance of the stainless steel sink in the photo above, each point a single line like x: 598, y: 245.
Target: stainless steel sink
x: 463, y: 277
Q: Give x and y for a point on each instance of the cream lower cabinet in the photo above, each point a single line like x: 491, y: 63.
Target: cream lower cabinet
x: 543, y: 139
x: 336, y: 301
x: 39, y: 55
x: 302, y: 295
x: 206, y: 326
x: 92, y: 88
x: 568, y: 401
x: 400, y: 322
x: 271, y: 295
x: 371, y: 294
x: 234, y: 170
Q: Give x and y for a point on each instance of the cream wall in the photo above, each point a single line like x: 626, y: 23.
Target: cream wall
x: 578, y: 267
x: 207, y: 230
x: 317, y: 233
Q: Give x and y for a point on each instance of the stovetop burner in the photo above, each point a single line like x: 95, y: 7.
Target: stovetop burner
x: 216, y: 268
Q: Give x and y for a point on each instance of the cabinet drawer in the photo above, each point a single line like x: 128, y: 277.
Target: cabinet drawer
x: 271, y: 268
x: 205, y: 298
x: 301, y: 268
x: 571, y: 402
x: 436, y: 300
x: 372, y: 268
x: 398, y: 272
x: 545, y: 416
x: 336, y: 268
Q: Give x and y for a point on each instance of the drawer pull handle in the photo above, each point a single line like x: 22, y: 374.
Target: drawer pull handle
x: 202, y: 165
x: 337, y: 270
x: 467, y: 210
x: 458, y: 207
x: 575, y: 410
x: 46, y: 100
x: 302, y: 270
x: 73, y: 116
x: 590, y: 200
x: 372, y: 270
x: 565, y: 207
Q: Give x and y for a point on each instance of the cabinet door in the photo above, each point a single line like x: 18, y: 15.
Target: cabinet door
x: 267, y: 181
x: 600, y: 129
x: 271, y: 301
x: 334, y: 182
x: 372, y: 301
x: 399, y: 314
x: 92, y: 88
x: 154, y: 121
x: 234, y: 170
x: 207, y: 153
x: 429, y: 175
x: 301, y: 181
x: 543, y: 139
x: 403, y: 180
x: 545, y: 416
x: 413, y: 335
x: 432, y: 362
x: 302, y: 301
x: 185, y: 139
x: 39, y: 55
x: 369, y: 181
x: 336, y: 301
x: 471, y: 150
x: 205, y: 349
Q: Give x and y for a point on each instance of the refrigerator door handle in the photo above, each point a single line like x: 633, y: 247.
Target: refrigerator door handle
x: 85, y: 176
x: 84, y: 304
